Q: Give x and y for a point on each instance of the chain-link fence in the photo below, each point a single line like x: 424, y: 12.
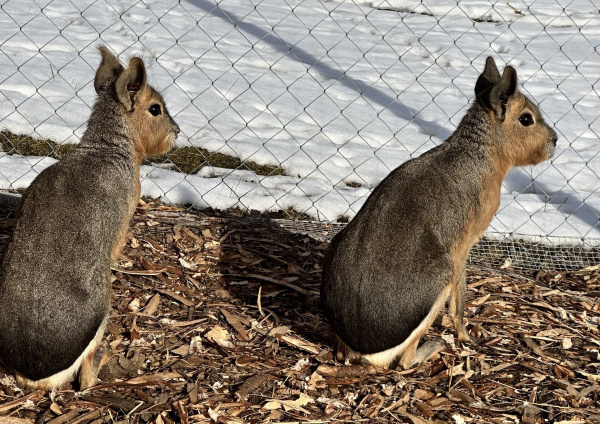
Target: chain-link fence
x: 305, y: 106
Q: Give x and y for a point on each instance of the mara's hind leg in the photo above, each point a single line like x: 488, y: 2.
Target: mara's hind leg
x: 427, y: 350
x: 89, y: 367
x: 411, y: 355
x: 341, y: 349
x: 87, y: 372
x: 408, y: 356
x: 343, y: 353
x: 23, y: 382
x: 457, y: 305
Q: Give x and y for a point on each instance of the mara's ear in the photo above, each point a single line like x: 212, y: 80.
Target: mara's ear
x: 486, y: 81
x: 109, y: 69
x: 131, y: 81
x: 509, y: 85
x: 493, y: 91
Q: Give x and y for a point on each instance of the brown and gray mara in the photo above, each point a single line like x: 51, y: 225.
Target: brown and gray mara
x: 389, y: 273
x: 55, y: 280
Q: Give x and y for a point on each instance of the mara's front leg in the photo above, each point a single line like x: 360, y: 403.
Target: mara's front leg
x: 457, y: 304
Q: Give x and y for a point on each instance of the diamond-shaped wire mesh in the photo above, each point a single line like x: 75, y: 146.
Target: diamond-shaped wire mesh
x: 304, y: 106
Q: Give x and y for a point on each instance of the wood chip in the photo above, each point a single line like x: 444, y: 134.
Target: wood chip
x: 176, y: 296
x: 154, y: 377
x: 299, y: 343
x: 251, y: 384
x: 348, y: 370
x: 274, y: 281
x: 134, y: 272
x: 220, y: 336
x: 152, y: 305
x: 65, y: 418
x: 34, y: 397
x: 236, y: 322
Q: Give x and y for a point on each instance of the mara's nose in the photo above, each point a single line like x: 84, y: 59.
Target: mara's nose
x: 553, y: 137
x: 176, y: 128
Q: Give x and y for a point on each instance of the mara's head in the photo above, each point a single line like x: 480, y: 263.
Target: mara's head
x: 149, y: 124
x: 522, y: 136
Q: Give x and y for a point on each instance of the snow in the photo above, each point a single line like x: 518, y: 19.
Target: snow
x: 337, y: 93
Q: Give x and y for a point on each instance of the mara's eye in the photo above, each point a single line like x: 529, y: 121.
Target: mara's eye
x: 155, y: 109
x: 526, y: 119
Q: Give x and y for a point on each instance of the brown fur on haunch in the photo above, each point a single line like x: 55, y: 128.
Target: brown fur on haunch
x: 55, y: 281
x: 388, y: 274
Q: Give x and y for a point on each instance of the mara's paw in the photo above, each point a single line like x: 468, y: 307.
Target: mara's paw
x: 463, y: 335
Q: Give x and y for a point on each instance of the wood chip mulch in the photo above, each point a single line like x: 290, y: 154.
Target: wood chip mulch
x: 216, y: 319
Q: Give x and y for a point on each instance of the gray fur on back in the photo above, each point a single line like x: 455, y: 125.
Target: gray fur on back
x: 55, y: 280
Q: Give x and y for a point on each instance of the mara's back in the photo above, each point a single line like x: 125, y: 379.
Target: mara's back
x: 398, y: 246
x: 54, y: 285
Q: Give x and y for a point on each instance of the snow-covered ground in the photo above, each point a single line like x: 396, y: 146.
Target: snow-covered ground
x: 336, y: 93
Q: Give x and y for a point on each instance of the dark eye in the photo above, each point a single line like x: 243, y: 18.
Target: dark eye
x: 526, y: 119
x: 155, y: 109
